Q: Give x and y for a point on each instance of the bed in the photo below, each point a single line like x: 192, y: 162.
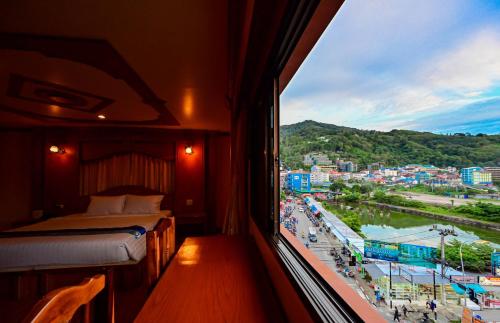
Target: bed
x: 22, y: 251
x: 88, y: 243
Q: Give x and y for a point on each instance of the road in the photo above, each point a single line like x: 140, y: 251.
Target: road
x: 321, y: 249
x: 441, y: 200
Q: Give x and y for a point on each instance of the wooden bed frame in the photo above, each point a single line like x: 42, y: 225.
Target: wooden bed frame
x: 160, y: 246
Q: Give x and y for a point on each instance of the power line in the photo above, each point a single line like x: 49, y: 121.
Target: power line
x: 406, y: 235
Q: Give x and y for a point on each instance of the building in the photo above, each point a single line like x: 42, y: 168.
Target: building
x: 283, y: 179
x: 475, y: 176
x: 495, y: 173
x: 348, y: 167
x: 375, y: 166
x: 317, y: 159
x: 299, y: 181
x: 422, y: 177
x: 388, y: 172
x: 319, y: 177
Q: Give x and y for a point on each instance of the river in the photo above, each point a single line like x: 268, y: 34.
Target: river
x: 386, y: 225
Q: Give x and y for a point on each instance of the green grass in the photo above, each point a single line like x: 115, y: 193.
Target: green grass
x: 486, y: 212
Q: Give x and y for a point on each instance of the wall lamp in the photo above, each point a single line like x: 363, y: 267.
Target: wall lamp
x: 56, y: 149
x: 189, y: 149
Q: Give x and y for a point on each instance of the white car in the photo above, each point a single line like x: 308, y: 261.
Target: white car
x: 301, y: 209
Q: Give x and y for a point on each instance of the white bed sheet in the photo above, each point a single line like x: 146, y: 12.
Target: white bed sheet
x: 99, y: 249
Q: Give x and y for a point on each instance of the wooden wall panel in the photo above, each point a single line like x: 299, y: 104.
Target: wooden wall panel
x: 218, y: 178
x: 34, y: 178
x: 16, y: 164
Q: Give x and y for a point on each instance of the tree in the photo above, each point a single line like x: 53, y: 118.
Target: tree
x: 337, y: 186
x: 476, y: 257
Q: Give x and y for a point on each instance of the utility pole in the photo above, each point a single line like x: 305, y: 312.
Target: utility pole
x: 443, y: 233
x: 434, y: 283
x: 390, y: 283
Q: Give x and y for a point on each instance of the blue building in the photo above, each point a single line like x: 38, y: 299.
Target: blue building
x: 299, y: 182
x: 467, y: 174
x: 422, y: 177
x: 475, y: 176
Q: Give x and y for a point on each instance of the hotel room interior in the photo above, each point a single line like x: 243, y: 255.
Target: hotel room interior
x: 139, y: 151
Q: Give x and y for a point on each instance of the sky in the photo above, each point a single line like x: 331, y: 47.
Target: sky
x: 423, y: 65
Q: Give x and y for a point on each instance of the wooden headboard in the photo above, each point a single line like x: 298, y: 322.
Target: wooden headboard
x: 166, y: 204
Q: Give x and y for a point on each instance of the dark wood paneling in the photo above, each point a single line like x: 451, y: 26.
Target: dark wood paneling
x: 97, y: 53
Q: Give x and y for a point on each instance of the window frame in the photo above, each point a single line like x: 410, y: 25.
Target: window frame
x: 321, y: 299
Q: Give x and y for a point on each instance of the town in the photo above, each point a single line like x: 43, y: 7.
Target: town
x: 398, y: 265
x: 324, y: 171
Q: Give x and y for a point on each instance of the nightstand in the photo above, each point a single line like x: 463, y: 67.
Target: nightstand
x: 198, y: 218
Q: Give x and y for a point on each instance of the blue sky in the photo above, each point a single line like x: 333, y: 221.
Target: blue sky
x: 424, y: 65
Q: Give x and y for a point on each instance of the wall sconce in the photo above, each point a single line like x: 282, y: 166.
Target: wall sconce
x: 56, y: 149
x: 189, y: 149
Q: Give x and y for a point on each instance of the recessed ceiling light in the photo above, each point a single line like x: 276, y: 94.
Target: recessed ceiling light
x: 101, y: 116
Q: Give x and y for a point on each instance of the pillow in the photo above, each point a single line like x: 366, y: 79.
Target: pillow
x: 102, y: 205
x: 142, y: 204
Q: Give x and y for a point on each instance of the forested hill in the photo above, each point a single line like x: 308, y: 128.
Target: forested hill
x: 394, y: 148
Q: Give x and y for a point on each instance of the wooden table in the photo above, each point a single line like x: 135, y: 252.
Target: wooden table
x: 212, y: 279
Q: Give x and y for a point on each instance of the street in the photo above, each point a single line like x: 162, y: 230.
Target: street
x: 327, y: 241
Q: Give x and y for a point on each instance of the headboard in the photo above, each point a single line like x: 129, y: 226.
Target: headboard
x: 166, y: 204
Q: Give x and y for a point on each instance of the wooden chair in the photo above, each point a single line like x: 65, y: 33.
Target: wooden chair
x: 61, y: 304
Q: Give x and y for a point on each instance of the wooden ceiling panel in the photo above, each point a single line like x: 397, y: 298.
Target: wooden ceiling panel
x: 158, y: 63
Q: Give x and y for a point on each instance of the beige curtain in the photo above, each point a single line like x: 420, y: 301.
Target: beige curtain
x: 236, y: 220
x: 128, y: 169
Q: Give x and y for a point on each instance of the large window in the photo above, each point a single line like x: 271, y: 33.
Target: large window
x: 389, y: 150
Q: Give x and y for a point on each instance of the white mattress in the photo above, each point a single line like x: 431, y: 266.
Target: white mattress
x: 84, y: 250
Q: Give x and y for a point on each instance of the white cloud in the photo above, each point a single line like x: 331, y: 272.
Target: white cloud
x: 387, y: 70
x: 470, y: 68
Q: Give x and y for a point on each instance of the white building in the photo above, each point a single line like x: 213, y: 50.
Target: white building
x: 318, y: 177
x: 389, y: 172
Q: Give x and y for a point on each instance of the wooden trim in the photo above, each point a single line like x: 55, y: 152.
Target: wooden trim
x: 16, y: 83
x: 158, y: 249
x: 61, y: 304
x: 305, y: 39
x: 321, y: 279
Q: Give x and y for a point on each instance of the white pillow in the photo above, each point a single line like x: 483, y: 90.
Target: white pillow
x: 102, y: 205
x: 142, y: 204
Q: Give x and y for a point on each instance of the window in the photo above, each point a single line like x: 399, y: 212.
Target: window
x: 392, y: 118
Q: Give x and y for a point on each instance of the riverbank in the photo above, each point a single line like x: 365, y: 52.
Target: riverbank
x: 451, y: 218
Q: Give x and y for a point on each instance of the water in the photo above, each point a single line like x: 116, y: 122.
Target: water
x: 386, y: 225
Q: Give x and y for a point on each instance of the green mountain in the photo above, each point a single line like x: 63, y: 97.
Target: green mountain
x: 393, y: 148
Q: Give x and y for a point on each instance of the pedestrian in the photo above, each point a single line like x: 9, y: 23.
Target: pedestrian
x: 405, y: 310
x: 396, y: 314
x: 433, y: 305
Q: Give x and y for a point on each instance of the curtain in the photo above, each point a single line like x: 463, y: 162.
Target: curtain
x: 128, y: 169
x: 236, y: 220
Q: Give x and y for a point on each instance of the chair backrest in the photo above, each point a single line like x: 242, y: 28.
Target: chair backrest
x: 61, y: 304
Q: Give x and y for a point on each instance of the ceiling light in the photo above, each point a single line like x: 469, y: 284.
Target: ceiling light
x: 101, y: 116
x: 56, y: 149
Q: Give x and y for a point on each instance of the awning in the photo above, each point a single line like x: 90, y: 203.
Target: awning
x: 475, y: 287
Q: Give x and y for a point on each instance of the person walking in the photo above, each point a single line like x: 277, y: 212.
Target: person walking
x: 396, y: 314
x: 405, y: 310
x: 433, y: 306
